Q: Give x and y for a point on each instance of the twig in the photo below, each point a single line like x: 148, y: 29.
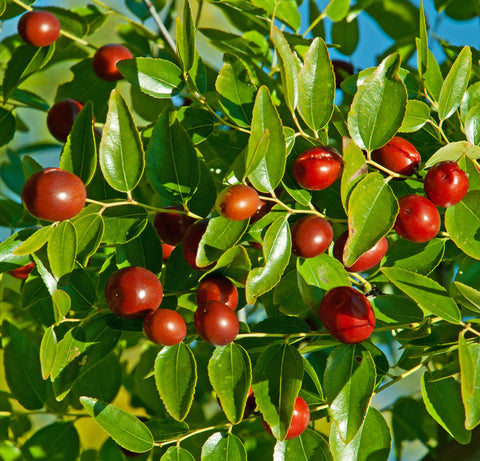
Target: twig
x: 166, y: 35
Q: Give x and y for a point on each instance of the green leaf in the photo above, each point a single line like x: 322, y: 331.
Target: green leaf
x: 61, y: 304
x: 442, y: 397
x: 287, y: 295
x: 177, y: 454
x: 121, y: 155
x: 62, y: 249
x: 277, y: 378
x: 199, y: 123
x: 308, y: 446
x: 176, y: 378
x: 166, y: 429
x: 167, y: 161
x: 346, y: 35
x: 48, y: 351
x: 472, y: 125
x: 222, y: 446
x: 379, y: 106
x: 123, y: 223
x: 349, y: 383
x: 35, y: 241
x: 186, y: 38
x: 465, y: 295
x: 336, y: 10
x: 286, y: 11
x: 234, y: 263
x: 395, y: 309
x: 316, y: 86
x: 454, y: 151
x: 127, y: 430
x: 431, y: 297
x: 469, y: 355
x: 79, y: 155
x: 422, y: 43
x: 156, y: 77
x: 372, y: 210
x: 266, y: 172
x: 7, y: 126
x: 416, y: 115
x: 90, y: 229
x: 433, y: 78
x: 455, y: 84
x: 230, y: 373
x: 276, y: 251
x: 8, y: 259
x: 354, y: 168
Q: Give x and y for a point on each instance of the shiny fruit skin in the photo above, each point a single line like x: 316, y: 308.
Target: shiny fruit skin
x: 399, y: 156
x: 299, y: 422
x: 105, y: 61
x: 133, y: 292
x: 61, y: 116
x: 190, y: 243
x: 39, y: 28
x: 237, y: 202
x: 368, y: 260
x: 418, y: 219
x: 446, y: 184
x: 172, y: 227
x: 22, y: 272
x: 311, y: 236
x: 216, y: 323
x: 347, y: 315
x: 54, y: 194
x: 342, y: 70
x: 165, y: 327
x: 317, y: 168
x: 217, y: 288
x: 167, y: 251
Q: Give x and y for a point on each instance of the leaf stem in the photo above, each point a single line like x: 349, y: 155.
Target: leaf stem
x: 166, y: 35
x: 400, y: 377
x: 469, y: 328
x: 314, y: 23
x: 390, y: 172
x: 195, y: 432
x: 366, y: 284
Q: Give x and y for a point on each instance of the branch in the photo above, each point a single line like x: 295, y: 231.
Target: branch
x: 166, y: 35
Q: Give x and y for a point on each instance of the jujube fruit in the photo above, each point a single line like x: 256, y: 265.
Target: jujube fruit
x: 22, y: 272
x: 61, y: 116
x: 399, y: 156
x: 171, y: 227
x: 347, y: 314
x: 133, y: 292
x: 54, y: 194
x: 167, y: 251
x: 105, y: 61
x: 311, y: 236
x: 39, y: 28
x: 216, y: 323
x: 217, y: 288
x: 298, y: 423
x: 165, y: 327
x: 237, y: 202
x: 342, y: 70
x: 191, y: 241
x: 446, y: 184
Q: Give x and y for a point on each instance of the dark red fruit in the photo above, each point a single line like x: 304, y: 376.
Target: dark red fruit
x: 262, y: 209
x: 311, y: 236
x: 39, y: 28
x: 61, y: 116
x: 217, y: 288
x: 22, y: 272
x: 167, y: 251
x: 299, y: 421
x: 347, y: 315
x: 133, y: 292
x: 250, y: 405
x: 165, y: 327
x: 105, y: 61
x: 53, y: 194
x: 191, y: 240
x: 216, y: 323
x: 237, y: 202
x: 369, y: 259
x: 171, y: 227
x: 418, y: 219
x: 446, y: 184
x: 317, y: 168
x: 399, y: 156
x: 342, y: 70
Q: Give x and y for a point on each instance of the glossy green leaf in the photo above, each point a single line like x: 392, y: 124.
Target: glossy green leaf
x: 416, y: 115
x: 81, y: 290
x: 156, y: 77
x: 166, y: 429
x: 223, y: 446
x: 395, y: 309
x: 422, y: 43
x: 267, y: 171
x: 372, y: 442
x: 354, y: 168
x: 308, y: 446
x: 123, y: 223
x: 199, y: 123
x: 454, y: 151
x: 277, y: 378
x: 90, y: 229
x: 234, y: 263
x: 167, y: 161
x: 127, y: 430
x: 431, y: 297
x: 8, y: 259
x: 276, y: 251
x: 372, y: 210
x: 349, y: 383
x: 48, y: 351
x: 470, y: 99
x: 455, y: 84
x: 186, y: 44
x: 469, y: 355
x: 379, y: 106
x: 177, y: 454
x: 287, y: 295
x: 443, y: 399
x: 35, y: 241
x: 316, y: 86
x: 346, y: 35
x: 61, y: 304
x: 62, y: 249
x: 433, y: 78
x: 465, y: 295
x: 176, y: 378
x: 230, y: 373
x: 472, y: 125
x: 7, y: 126
x: 336, y: 10
x: 51, y: 283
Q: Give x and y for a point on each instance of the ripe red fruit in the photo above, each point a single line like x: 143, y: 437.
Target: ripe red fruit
x: 53, y: 194
x: 311, y: 236
x: 237, y: 202
x: 105, y: 61
x: 133, y: 292
x: 39, y: 28
x: 171, y: 227
x: 399, y: 156
x: 167, y: 251
x: 191, y: 240
x: 165, y: 327
x: 418, y: 219
x: 347, y: 315
x: 217, y: 288
x: 22, y: 272
x: 317, y: 168
x: 446, y: 184
x: 61, y: 116
x: 299, y: 421
x: 369, y: 259
x: 216, y: 323
x: 342, y: 70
